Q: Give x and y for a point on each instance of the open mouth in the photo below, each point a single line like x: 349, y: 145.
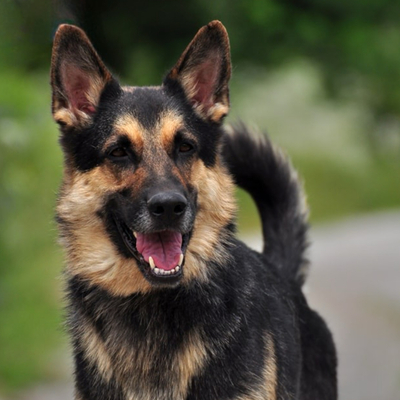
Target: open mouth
x: 160, y: 255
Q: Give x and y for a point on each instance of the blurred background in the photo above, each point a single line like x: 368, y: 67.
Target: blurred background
x: 322, y: 77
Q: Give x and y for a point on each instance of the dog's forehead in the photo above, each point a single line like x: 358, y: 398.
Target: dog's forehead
x: 149, y: 107
x: 162, y: 133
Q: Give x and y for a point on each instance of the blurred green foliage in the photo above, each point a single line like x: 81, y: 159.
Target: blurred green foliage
x: 354, y: 45
x: 30, y: 166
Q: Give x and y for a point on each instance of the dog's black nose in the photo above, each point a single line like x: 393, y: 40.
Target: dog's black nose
x: 167, y: 206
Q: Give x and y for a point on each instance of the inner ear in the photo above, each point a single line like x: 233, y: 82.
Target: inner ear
x: 203, y: 81
x: 204, y: 70
x: 79, y: 90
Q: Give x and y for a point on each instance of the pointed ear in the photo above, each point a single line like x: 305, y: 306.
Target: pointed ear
x: 204, y: 70
x: 78, y: 77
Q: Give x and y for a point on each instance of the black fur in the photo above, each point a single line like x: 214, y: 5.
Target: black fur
x: 267, y: 175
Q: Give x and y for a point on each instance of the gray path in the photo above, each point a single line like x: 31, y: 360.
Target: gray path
x: 355, y: 284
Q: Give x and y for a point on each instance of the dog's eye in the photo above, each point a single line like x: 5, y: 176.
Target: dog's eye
x: 185, y: 147
x: 119, y: 152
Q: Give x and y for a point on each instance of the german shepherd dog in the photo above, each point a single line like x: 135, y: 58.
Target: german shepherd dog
x: 164, y: 302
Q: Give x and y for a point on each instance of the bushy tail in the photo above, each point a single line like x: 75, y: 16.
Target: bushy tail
x: 268, y: 176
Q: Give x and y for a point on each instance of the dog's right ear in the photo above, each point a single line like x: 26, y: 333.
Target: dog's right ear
x: 78, y: 77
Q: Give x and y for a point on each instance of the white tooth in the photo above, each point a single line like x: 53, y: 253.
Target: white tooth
x: 157, y: 271
x: 134, y: 234
x: 162, y: 272
x: 177, y: 268
x: 172, y: 270
x: 180, y: 260
x: 167, y: 272
x: 151, y: 262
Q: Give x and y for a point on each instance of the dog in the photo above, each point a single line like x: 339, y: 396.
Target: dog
x: 164, y: 303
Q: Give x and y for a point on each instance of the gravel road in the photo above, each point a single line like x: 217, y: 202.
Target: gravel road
x: 354, y: 283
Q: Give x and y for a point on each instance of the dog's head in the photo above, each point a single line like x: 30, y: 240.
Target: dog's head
x: 145, y: 199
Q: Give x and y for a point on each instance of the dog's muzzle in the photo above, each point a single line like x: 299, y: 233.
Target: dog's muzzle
x: 157, y: 233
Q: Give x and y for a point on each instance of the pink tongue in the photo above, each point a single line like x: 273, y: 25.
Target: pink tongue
x: 164, y: 247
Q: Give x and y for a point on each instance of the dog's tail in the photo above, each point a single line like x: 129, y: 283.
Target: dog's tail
x: 268, y: 176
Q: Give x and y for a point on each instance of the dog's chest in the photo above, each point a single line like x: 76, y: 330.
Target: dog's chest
x: 147, y: 354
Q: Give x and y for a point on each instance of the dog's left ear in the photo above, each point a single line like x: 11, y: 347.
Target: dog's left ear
x: 204, y: 70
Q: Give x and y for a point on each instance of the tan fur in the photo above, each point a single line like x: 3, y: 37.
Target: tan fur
x: 218, y: 111
x: 63, y: 115
x: 270, y: 369
x: 169, y: 126
x: 189, y: 362
x: 188, y: 82
x: 216, y: 207
x: 90, y: 253
x: 129, y: 126
x: 128, y: 89
x: 267, y: 389
x: 95, y: 351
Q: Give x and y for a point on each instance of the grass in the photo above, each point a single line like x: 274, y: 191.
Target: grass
x: 30, y: 170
